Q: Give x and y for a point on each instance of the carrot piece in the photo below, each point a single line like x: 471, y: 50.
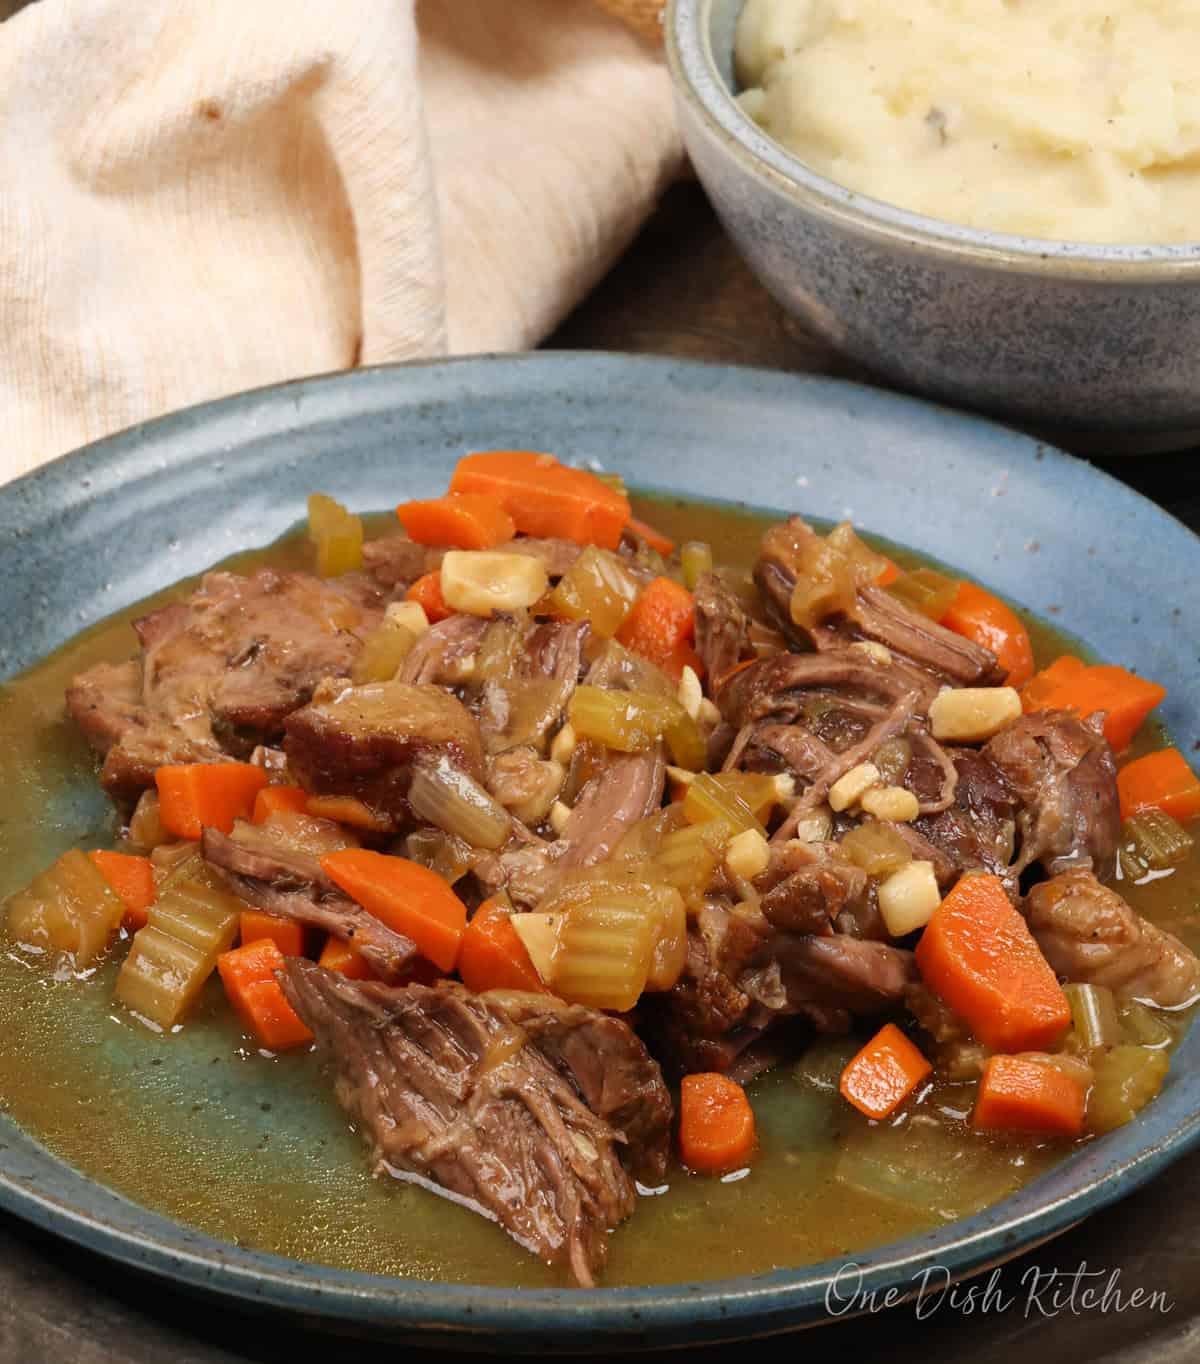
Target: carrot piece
x: 716, y: 1123
x: 654, y: 538
x: 274, y: 798
x: 660, y: 626
x: 345, y: 959
x: 132, y: 878
x: 464, y: 520
x: 286, y: 934
x: 978, y: 954
x: 196, y: 796
x: 544, y: 497
x: 1020, y: 1095
x: 406, y: 896
x: 248, y: 975
x: 891, y: 571
x: 884, y: 1073
x: 492, y: 956
x: 1124, y: 698
x: 985, y: 619
x: 427, y: 593
x: 1162, y: 781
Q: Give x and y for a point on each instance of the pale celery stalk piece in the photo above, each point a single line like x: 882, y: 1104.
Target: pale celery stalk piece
x: 337, y: 535
x: 162, y: 976
x: 707, y: 799
x: 1093, y: 1017
x: 1125, y: 1079
x: 696, y: 559
x: 599, y: 588
x: 69, y: 910
x: 604, y: 952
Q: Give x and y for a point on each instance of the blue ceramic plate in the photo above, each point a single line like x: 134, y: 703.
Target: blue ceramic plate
x: 101, y: 528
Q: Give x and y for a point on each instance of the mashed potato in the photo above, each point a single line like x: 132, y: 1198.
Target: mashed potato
x: 1075, y: 120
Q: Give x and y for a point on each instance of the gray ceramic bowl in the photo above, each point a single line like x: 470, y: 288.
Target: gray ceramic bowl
x: 1099, y: 344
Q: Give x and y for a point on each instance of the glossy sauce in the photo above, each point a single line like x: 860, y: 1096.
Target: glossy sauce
x: 253, y: 1149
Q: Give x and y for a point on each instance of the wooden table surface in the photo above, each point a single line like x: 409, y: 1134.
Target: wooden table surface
x: 682, y: 291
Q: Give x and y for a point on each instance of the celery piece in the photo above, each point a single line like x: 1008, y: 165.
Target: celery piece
x: 708, y: 799
x: 868, y: 565
x: 597, y: 587
x: 688, y: 749
x: 759, y: 790
x: 877, y: 848
x: 162, y: 976
x: 441, y: 852
x: 930, y: 593
x: 193, y: 910
x: 1094, y: 1021
x: 688, y: 858
x: 628, y: 721
x: 1125, y: 1080
x: 337, y: 535
x: 696, y: 559
x: 1143, y: 1026
x: 1155, y: 840
x: 605, y: 951
x: 67, y: 910
x: 383, y: 651
x: 670, y: 937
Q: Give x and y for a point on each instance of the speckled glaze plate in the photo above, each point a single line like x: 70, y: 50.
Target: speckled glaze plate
x: 108, y: 525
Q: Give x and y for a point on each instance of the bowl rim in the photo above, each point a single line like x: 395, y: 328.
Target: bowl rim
x: 698, y: 81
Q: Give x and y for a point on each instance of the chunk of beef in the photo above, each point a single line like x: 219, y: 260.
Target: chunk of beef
x: 450, y: 1088
x: 1063, y: 773
x: 362, y: 742
x: 778, y: 687
x: 874, y: 615
x: 976, y: 833
x: 1092, y: 937
x: 556, y: 556
x: 628, y: 788
x: 530, y: 700
x: 767, y: 747
x: 221, y: 671
x: 744, y: 977
x: 395, y: 562
x: 524, y: 783
x: 722, y: 627
x: 611, y: 1069
x: 439, y: 655
x: 292, y: 885
x: 807, y: 885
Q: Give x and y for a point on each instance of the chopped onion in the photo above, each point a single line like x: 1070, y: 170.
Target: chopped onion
x: 447, y: 797
x: 877, y: 848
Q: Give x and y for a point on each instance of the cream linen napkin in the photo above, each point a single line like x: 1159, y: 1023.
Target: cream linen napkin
x: 202, y: 196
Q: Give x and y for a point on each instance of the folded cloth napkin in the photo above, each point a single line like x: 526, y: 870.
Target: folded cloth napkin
x: 202, y: 196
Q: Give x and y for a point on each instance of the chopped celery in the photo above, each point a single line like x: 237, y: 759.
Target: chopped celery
x: 930, y: 593
x: 665, y: 905
x: 67, y: 910
x: 605, y: 951
x: 632, y: 721
x: 685, y: 741
x: 162, y: 976
x: 1093, y: 1017
x: 696, y: 559
x: 877, y: 848
x: 597, y: 587
x: 708, y: 799
x: 826, y: 584
x: 445, y: 795
x: 441, y: 852
x: 383, y: 651
x: 892, y: 759
x: 1152, y: 841
x: 1125, y: 1080
x: 759, y: 790
x: 146, y: 829
x: 337, y: 535
x: 1143, y: 1026
x: 192, y: 908
x: 688, y: 858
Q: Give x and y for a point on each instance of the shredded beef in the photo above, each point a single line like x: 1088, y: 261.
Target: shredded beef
x: 487, y: 1101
